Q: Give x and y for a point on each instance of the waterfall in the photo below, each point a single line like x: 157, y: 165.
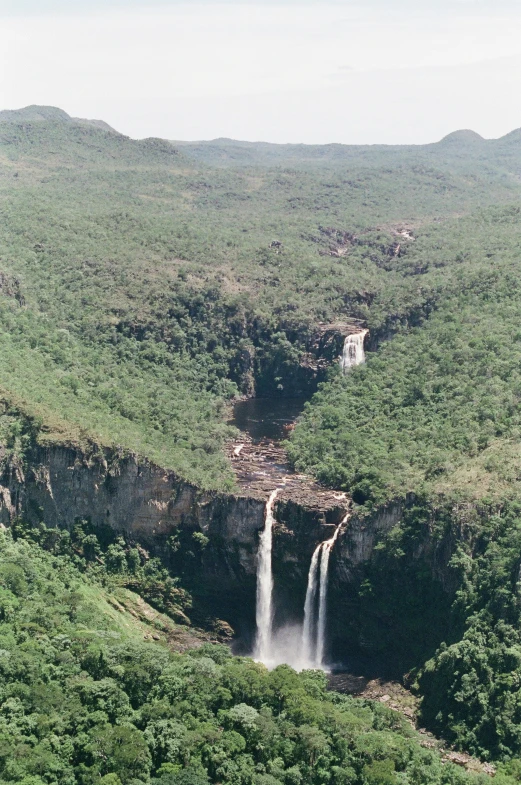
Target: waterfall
x: 353, y: 353
x: 301, y: 647
x: 314, y: 629
x: 264, y: 609
x: 322, y: 595
x: 309, y: 628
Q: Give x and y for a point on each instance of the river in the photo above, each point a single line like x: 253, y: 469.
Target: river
x: 266, y: 418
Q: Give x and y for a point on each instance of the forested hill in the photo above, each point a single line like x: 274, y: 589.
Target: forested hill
x: 134, y: 277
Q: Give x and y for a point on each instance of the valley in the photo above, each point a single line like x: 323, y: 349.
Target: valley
x: 263, y: 400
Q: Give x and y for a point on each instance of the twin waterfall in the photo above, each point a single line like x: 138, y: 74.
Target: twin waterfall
x: 303, y: 648
x: 315, y: 608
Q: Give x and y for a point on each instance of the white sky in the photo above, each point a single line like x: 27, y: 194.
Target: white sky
x: 392, y: 71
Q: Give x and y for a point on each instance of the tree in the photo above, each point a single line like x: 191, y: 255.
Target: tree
x: 120, y: 750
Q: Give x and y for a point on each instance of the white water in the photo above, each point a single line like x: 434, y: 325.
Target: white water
x: 296, y: 645
x: 310, y: 625
x: 314, y: 629
x: 322, y: 595
x: 264, y: 610
x: 353, y: 353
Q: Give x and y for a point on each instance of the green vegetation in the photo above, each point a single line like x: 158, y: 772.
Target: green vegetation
x: 471, y: 687
x: 85, y: 699
x: 141, y: 288
x: 434, y: 418
x: 406, y: 601
x: 143, y: 285
x: 436, y: 410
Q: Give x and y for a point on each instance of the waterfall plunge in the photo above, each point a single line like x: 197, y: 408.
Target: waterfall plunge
x: 315, y: 619
x: 310, y: 622
x: 353, y: 353
x: 322, y: 596
x: 264, y: 609
x: 300, y: 647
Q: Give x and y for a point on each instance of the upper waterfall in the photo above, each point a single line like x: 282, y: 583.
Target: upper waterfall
x: 353, y: 353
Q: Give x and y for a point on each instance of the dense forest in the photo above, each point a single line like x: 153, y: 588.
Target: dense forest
x: 144, y: 285
x: 94, y: 692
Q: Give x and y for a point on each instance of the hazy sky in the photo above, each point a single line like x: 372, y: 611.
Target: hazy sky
x: 353, y: 71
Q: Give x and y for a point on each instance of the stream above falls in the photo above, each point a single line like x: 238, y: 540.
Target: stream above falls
x: 266, y: 418
x: 259, y: 460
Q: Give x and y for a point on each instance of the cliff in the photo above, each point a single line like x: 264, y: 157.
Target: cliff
x: 59, y: 485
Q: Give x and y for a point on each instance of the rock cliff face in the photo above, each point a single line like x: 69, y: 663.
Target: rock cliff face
x: 149, y: 505
x: 60, y: 485
x: 391, y: 597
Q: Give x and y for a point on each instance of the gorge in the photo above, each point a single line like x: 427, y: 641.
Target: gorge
x: 126, y: 496
x: 299, y: 586
x: 250, y: 539
x: 300, y: 646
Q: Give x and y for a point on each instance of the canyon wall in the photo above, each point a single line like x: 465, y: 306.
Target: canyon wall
x: 59, y: 485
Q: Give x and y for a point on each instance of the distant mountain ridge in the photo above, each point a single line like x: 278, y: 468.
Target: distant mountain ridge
x: 52, y: 132
x: 462, y: 147
x: 41, y: 114
x: 460, y: 137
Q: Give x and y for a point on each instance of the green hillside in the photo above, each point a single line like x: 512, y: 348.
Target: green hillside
x: 146, y: 284
x: 137, y: 281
